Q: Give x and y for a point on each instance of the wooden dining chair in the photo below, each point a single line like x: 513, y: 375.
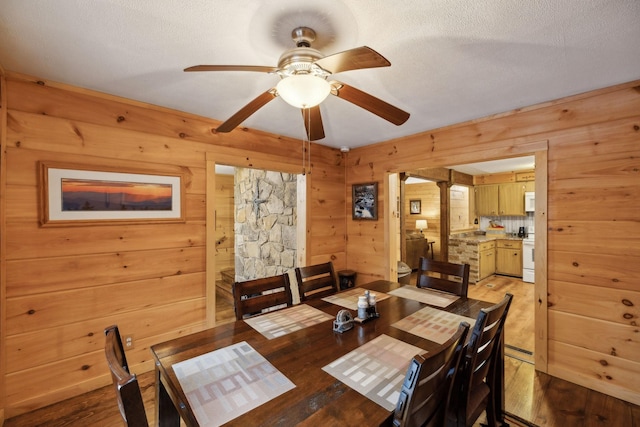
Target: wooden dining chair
x: 443, y: 276
x: 316, y: 281
x: 257, y: 296
x: 126, y: 384
x: 480, y: 382
x: 426, y: 391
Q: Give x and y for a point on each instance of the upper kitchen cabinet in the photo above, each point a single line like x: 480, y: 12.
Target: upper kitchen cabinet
x: 500, y: 199
x: 487, y: 200
x: 511, y: 198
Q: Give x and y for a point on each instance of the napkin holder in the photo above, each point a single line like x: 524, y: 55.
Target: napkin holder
x: 343, y: 322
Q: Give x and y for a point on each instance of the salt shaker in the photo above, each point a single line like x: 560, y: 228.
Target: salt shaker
x: 363, y: 305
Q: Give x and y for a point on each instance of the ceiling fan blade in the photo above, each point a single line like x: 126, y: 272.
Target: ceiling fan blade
x: 313, y: 123
x: 353, y: 59
x: 370, y: 103
x: 257, y: 68
x: 246, y: 111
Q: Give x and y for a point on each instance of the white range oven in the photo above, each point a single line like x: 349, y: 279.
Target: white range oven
x: 528, y: 256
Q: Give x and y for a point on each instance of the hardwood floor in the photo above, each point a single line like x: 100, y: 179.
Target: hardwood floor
x: 532, y: 398
x: 536, y: 398
x: 519, y: 330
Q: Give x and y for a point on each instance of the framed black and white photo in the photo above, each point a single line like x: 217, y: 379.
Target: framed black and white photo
x: 415, y: 207
x: 365, y: 201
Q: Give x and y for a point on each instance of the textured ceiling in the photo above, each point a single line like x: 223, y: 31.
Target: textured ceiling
x: 452, y: 60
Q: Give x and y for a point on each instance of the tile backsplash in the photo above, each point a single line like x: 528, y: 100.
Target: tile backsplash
x: 510, y: 223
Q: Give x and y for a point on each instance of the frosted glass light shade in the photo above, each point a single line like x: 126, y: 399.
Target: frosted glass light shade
x: 303, y: 90
x: 421, y: 224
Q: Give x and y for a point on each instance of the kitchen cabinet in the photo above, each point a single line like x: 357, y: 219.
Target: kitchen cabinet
x: 500, y: 199
x: 509, y: 257
x: 511, y: 198
x: 487, y: 200
x: 486, y: 259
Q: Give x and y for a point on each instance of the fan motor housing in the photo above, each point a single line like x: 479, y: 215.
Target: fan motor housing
x: 299, y: 60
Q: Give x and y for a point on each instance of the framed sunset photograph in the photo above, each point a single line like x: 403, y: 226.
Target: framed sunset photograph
x: 71, y: 195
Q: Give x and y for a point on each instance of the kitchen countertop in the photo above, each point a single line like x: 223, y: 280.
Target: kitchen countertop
x: 479, y: 238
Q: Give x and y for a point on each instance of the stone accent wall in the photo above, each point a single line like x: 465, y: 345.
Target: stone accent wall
x: 265, y: 223
x: 463, y: 252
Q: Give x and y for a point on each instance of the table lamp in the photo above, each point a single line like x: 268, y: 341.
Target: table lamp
x: 421, y: 224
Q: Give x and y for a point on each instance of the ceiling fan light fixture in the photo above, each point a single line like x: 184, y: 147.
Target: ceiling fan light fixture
x: 303, y: 90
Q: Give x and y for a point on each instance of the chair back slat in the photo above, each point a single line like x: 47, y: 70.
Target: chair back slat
x: 256, y: 296
x: 316, y: 281
x: 125, y: 384
x: 427, y: 387
x: 443, y: 276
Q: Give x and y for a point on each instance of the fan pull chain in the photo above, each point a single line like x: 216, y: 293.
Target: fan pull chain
x: 306, y: 146
x: 304, y: 172
x: 309, y: 149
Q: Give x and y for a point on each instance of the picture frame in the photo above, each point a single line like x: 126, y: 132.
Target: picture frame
x: 415, y: 206
x: 72, y: 195
x: 365, y: 201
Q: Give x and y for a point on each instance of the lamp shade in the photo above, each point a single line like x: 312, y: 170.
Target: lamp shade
x: 421, y: 224
x: 303, y: 90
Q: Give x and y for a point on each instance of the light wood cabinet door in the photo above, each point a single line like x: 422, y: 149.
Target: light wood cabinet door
x: 509, y: 258
x: 511, y: 198
x: 487, y: 263
x: 487, y: 200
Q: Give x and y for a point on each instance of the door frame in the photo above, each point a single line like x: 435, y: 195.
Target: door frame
x: 210, y: 218
x: 392, y: 229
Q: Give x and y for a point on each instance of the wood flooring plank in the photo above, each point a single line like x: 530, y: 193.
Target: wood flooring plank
x: 635, y: 416
x: 563, y: 404
x: 519, y: 381
x: 606, y: 411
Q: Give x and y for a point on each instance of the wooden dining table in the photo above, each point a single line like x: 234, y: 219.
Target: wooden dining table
x: 318, y: 399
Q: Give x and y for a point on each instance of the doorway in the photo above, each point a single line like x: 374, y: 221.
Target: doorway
x: 537, y: 307
x: 273, y: 212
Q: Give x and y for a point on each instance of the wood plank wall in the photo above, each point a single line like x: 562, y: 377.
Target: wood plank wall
x: 593, y: 209
x: 64, y: 285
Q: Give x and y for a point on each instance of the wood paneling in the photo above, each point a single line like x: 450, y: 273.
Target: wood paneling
x: 66, y: 273
x: 605, y: 337
x: 591, y: 146
x: 591, y: 236
x: 598, y: 302
x: 64, y: 285
x: 64, y: 241
x: 32, y: 349
x: 595, y: 370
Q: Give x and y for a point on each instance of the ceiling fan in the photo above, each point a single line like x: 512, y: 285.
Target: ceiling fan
x: 303, y: 84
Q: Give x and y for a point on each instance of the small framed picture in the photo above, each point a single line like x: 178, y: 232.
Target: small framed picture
x: 365, y: 201
x: 415, y: 207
